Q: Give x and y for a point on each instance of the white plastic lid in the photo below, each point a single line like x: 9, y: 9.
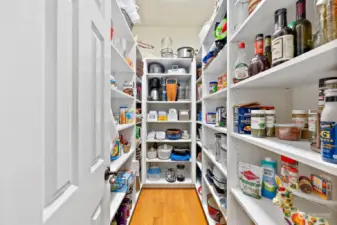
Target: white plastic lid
x: 258, y: 112
x: 268, y: 112
x: 299, y: 111
x: 288, y: 125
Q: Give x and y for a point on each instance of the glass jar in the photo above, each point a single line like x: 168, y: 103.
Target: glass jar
x: 321, y: 90
x: 258, y: 123
x: 289, y: 171
x: 300, y: 117
x: 331, y: 84
x: 180, y: 172
x: 312, y: 120
x: 270, y: 123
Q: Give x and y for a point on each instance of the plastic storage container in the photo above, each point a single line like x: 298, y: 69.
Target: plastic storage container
x: 289, y: 132
x: 164, y: 151
x: 154, y: 173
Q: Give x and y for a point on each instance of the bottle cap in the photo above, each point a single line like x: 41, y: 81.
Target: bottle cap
x: 280, y: 11
x: 242, y: 45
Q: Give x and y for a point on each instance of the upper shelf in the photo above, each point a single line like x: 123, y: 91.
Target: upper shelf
x: 260, y: 20
x: 209, y: 38
x: 121, y: 28
x: 118, y: 62
x: 115, y: 93
x: 219, y: 63
x: 304, y: 69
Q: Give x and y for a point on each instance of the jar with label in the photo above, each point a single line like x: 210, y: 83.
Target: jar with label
x: 312, y: 120
x: 270, y: 123
x: 283, y: 39
x: 258, y: 123
x: 331, y: 84
x: 329, y: 127
x: 289, y: 171
x: 213, y: 87
x: 321, y: 89
x: 300, y: 117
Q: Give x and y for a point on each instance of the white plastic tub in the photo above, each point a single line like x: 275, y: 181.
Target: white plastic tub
x: 164, y: 151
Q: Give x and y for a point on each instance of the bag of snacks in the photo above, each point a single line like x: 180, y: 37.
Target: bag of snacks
x: 250, y: 177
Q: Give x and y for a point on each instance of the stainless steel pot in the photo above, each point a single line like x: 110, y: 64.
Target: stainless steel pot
x: 185, y: 52
x: 156, y: 68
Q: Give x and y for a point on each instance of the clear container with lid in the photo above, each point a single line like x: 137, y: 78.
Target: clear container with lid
x: 258, y: 123
x: 288, y: 132
x: 328, y: 127
x: 270, y: 123
x: 181, y: 172
x: 300, y: 117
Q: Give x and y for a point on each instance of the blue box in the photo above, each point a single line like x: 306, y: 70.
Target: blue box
x: 123, y: 181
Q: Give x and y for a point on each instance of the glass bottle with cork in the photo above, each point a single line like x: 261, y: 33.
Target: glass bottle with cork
x: 303, y: 30
x: 260, y: 62
x: 283, y: 39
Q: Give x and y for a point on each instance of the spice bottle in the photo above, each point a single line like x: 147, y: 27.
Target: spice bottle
x: 241, y: 64
x: 258, y: 123
x: 320, y: 37
x: 300, y: 117
x: 283, y: 39
x: 260, y: 62
x: 270, y: 123
x: 329, y: 127
x: 267, y: 48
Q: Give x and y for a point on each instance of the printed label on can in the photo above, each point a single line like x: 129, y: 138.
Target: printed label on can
x: 328, y: 140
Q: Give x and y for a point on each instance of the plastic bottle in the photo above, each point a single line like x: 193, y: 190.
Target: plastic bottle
x: 269, y: 186
x: 329, y: 127
x: 241, y: 64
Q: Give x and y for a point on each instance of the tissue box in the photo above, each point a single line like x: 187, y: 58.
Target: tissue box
x: 123, y: 181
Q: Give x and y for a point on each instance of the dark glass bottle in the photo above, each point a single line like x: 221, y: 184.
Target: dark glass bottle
x: 303, y: 30
x: 267, y: 48
x: 260, y: 62
x: 283, y: 39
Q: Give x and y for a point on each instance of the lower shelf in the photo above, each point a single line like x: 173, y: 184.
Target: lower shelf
x: 261, y: 211
x: 163, y: 183
x: 115, y: 201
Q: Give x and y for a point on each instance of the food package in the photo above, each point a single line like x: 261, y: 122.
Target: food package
x: 250, y: 178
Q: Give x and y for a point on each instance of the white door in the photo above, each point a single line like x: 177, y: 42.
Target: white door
x: 55, y: 112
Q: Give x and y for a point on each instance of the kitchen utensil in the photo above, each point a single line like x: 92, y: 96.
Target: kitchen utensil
x: 219, y: 186
x: 185, y: 135
x: 164, y: 151
x: 185, y: 52
x: 184, y: 114
x: 153, y: 174
x: 172, y: 115
x: 173, y: 134
x: 154, y: 95
x: 166, y: 47
x: 181, y: 151
x: 213, y: 209
x: 181, y: 91
x: 160, y: 135
x: 171, y: 89
x: 176, y: 70
x: 163, y: 89
x: 152, y: 116
x: 170, y: 175
x: 156, y: 68
x: 180, y: 172
x: 152, y: 152
x: 154, y: 89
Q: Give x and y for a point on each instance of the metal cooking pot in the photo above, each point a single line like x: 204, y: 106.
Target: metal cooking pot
x: 156, y: 68
x: 185, y: 52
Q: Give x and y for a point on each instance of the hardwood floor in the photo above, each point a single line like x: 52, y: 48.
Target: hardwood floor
x: 168, y: 207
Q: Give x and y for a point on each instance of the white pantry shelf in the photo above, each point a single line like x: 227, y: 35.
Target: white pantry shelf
x: 199, y: 164
x: 118, y: 62
x: 199, y: 79
x: 209, y: 219
x: 199, y: 143
x: 219, y: 129
x: 220, y: 94
x: 121, y: 127
x: 261, y: 20
x: 115, y: 93
x: 261, y: 211
x: 118, y: 163
x: 116, y: 199
x: 178, y: 121
x: 298, y: 150
x: 169, y: 141
x: 199, y: 101
x: 313, y: 65
x: 162, y: 182
x: 186, y: 76
x: 218, y: 65
x: 165, y: 161
x: 220, y: 166
x: 167, y: 102
x: 215, y: 196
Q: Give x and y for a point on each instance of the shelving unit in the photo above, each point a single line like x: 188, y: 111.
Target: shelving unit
x: 291, y: 85
x: 189, y: 125
x: 122, y: 71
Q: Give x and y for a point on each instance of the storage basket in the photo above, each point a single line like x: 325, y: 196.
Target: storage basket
x: 154, y: 173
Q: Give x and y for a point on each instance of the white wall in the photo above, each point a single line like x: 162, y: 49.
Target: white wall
x: 181, y: 36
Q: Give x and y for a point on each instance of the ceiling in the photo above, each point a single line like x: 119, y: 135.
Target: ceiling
x: 180, y: 13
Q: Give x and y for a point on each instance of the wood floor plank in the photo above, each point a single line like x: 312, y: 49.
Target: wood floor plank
x: 168, y: 207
